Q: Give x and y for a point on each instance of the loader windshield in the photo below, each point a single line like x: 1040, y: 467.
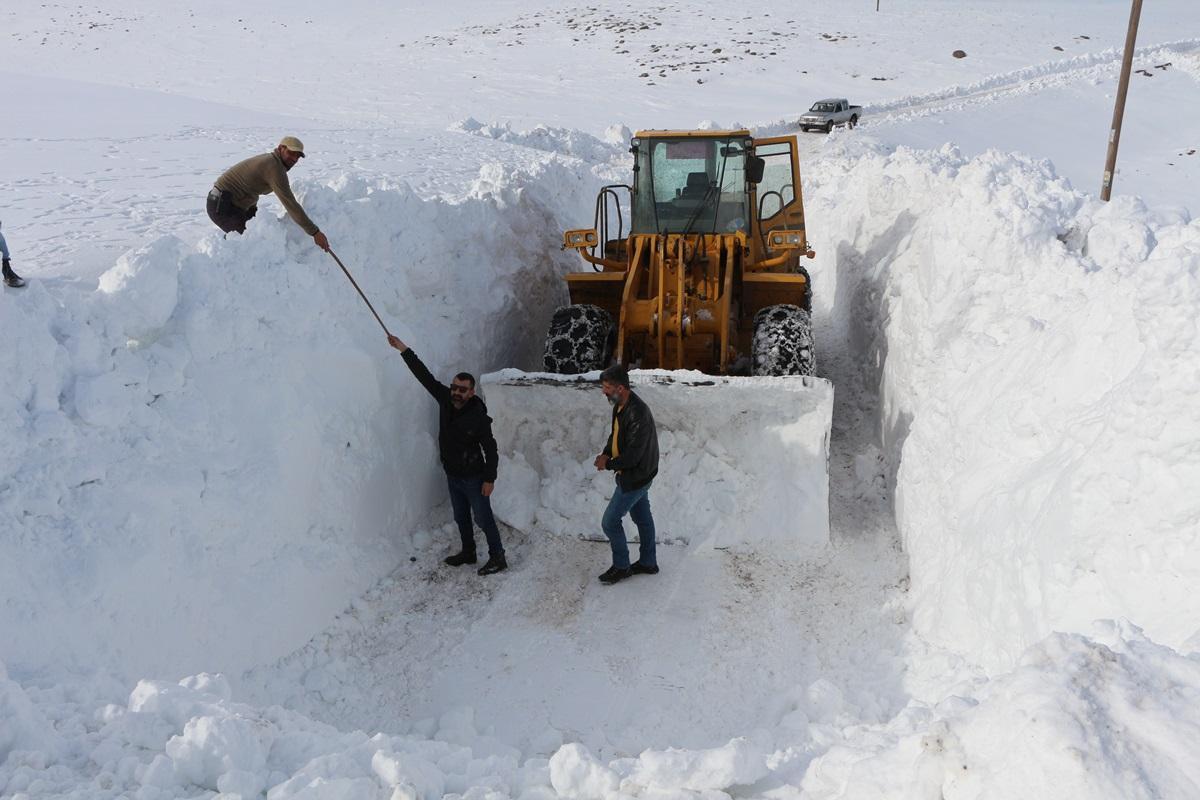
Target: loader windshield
x: 692, y: 185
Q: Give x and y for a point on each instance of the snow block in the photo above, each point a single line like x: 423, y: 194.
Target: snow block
x: 743, y: 461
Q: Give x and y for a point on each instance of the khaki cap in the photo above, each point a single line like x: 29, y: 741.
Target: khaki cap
x: 293, y: 144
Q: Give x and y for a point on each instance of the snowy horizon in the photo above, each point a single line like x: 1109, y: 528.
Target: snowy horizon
x: 221, y: 514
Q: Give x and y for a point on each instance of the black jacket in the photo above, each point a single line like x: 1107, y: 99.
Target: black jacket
x: 465, y: 438
x: 637, y: 443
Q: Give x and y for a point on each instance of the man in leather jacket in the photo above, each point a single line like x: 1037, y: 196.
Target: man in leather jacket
x: 469, y: 457
x: 632, y: 452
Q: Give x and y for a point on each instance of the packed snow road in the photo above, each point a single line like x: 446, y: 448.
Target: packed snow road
x: 718, y: 645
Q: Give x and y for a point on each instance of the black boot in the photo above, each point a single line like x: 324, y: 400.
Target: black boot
x: 615, y: 575
x: 11, y: 278
x: 460, y: 558
x: 494, y: 564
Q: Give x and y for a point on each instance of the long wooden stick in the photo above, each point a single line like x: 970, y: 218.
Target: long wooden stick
x: 360, y: 292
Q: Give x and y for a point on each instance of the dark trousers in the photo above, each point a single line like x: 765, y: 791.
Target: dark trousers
x: 225, y: 215
x: 466, y: 498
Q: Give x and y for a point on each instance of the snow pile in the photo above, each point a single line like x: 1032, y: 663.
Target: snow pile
x: 22, y: 727
x: 1037, y: 356
x: 564, y: 141
x: 171, y: 740
x: 743, y: 461
x: 1109, y: 717
x: 1112, y: 716
x: 201, y: 457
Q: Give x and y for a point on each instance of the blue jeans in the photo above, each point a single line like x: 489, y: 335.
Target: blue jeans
x: 466, y: 497
x: 635, y: 503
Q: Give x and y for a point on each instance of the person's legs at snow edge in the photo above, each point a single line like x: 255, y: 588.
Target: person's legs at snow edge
x: 481, y: 507
x: 460, y: 502
x: 639, y: 512
x: 225, y: 215
x: 618, y: 506
x: 11, y: 278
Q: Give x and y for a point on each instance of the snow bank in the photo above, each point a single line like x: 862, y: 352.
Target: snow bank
x: 743, y: 464
x: 1108, y: 717
x: 23, y: 729
x: 1037, y: 355
x: 201, y: 457
x: 564, y: 141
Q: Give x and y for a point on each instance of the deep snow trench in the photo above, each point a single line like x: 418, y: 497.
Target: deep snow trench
x: 720, y: 644
x: 218, y: 451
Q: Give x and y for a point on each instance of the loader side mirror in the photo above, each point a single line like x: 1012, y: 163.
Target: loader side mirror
x: 580, y: 239
x: 755, y: 167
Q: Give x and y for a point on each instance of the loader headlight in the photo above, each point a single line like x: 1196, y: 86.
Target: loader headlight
x: 580, y: 239
x: 786, y: 240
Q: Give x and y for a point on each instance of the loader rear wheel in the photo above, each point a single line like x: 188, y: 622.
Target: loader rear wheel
x: 783, y: 341
x: 579, y: 340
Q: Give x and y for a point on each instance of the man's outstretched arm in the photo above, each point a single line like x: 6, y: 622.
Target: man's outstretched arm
x: 440, y: 392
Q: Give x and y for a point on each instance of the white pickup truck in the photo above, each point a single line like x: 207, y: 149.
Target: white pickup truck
x: 825, y: 114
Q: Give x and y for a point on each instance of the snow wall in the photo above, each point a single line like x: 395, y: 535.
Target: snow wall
x: 1035, y: 353
x: 743, y: 461
x: 216, y: 450
x: 1038, y: 355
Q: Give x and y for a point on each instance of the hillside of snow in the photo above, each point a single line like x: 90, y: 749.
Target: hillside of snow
x: 221, y: 516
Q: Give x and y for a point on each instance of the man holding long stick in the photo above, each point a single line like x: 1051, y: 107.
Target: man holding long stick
x: 233, y: 200
x: 469, y: 457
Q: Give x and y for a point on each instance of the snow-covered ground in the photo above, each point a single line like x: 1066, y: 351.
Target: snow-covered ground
x: 221, y: 520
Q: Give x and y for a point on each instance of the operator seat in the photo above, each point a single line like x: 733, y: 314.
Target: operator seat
x: 697, y: 185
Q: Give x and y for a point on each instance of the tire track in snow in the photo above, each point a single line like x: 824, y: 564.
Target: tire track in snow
x: 1037, y: 78
x: 1028, y: 80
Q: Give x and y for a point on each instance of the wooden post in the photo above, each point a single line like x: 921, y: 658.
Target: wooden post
x: 1114, y: 133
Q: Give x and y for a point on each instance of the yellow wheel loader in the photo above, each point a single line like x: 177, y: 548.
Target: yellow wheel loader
x: 709, y: 277
x: 707, y: 302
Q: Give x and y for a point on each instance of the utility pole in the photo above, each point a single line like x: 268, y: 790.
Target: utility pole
x: 1114, y: 133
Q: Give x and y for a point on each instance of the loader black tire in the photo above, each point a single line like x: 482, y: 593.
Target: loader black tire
x: 580, y: 340
x: 783, y: 342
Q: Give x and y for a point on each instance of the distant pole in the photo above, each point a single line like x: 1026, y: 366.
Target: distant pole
x: 1114, y: 133
x: 876, y: 5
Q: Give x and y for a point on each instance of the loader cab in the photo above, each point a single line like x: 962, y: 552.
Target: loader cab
x: 691, y: 183
x: 710, y: 182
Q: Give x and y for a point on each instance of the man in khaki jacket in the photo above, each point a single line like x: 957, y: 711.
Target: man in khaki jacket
x: 233, y: 200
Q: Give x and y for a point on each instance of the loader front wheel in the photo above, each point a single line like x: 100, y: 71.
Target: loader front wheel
x: 579, y: 340
x: 783, y: 341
